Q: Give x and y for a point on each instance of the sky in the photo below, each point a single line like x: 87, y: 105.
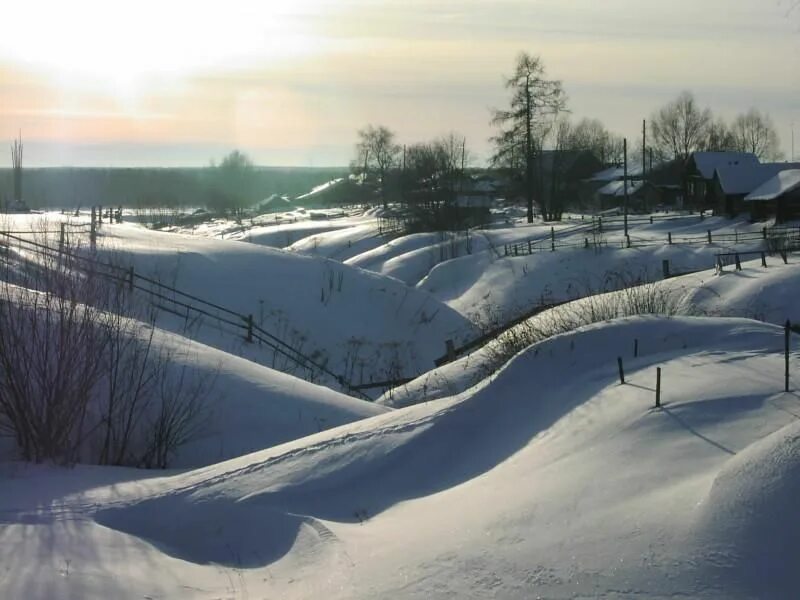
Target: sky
x: 183, y: 82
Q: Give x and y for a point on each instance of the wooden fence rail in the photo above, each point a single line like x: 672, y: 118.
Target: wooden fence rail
x: 184, y: 304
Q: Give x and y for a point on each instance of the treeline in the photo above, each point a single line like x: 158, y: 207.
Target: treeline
x: 535, y: 130
x: 231, y: 184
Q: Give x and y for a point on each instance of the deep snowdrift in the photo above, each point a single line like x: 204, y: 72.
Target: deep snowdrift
x: 551, y: 480
x: 361, y: 325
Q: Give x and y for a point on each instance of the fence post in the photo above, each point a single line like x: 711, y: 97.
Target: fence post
x: 627, y: 241
x: 636, y: 347
x: 764, y: 259
x: 669, y: 237
x: 665, y: 268
x: 62, y: 238
x: 651, y: 219
x: 130, y: 278
x: 93, y: 230
x: 787, y: 332
x: 621, y: 370
x: 249, y: 337
x: 450, y: 350
x: 585, y: 242
x: 738, y: 262
x: 552, y: 239
x: 709, y: 236
x: 530, y: 247
x: 600, y: 224
x: 505, y: 249
x: 658, y: 387
x: 764, y: 232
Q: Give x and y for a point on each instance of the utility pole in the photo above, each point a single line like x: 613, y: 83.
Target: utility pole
x: 625, y: 182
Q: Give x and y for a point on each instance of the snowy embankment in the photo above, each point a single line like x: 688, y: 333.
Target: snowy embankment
x: 768, y: 295
x: 359, y: 324
x: 551, y: 480
x: 241, y: 406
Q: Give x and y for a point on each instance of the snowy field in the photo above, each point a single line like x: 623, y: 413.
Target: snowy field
x: 544, y: 477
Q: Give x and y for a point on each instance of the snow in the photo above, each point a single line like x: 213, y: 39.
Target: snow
x: 783, y: 183
x: 743, y: 179
x: 547, y: 478
x: 533, y: 484
x: 617, y: 188
x: 708, y: 162
x: 364, y: 325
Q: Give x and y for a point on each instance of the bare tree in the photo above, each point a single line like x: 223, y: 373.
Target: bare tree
x: 680, y: 128
x: 377, y: 149
x: 533, y: 108
x: 592, y: 135
x: 755, y: 132
x: 16, y: 163
x: 720, y: 137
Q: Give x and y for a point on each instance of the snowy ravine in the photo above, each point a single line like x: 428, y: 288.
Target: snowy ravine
x: 551, y: 480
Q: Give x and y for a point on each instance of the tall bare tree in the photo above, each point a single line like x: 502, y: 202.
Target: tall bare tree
x: 16, y: 163
x: 378, y: 151
x: 534, y: 106
x: 720, y: 137
x: 755, y: 132
x: 680, y: 127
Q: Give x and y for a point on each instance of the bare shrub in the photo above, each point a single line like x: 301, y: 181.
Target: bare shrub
x: 80, y: 380
x: 634, y: 298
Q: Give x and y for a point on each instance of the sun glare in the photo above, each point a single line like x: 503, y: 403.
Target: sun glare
x: 121, y: 47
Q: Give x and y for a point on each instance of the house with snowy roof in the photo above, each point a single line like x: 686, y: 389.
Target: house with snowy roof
x: 777, y: 197
x: 732, y: 183
x: 699, y: 174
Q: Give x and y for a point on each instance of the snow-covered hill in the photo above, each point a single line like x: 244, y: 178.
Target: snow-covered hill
x: 551, y: 480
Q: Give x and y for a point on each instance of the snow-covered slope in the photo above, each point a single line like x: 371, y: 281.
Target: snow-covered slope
x: 361, y: 324
x: 551, y: 480
x: 754, y: 292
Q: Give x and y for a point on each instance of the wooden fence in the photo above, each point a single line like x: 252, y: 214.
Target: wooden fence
x: 180, y: 303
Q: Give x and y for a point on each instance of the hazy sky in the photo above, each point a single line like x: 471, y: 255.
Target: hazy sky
x: 179, y: 82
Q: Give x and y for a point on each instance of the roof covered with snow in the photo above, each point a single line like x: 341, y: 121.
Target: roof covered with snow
x: 617, y: 188
x: 614, y: 173
x: 743, y: 179
x: 708, y: 162
x: 783, y: 183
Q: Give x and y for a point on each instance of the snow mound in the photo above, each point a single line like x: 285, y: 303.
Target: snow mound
x: 751, y: 511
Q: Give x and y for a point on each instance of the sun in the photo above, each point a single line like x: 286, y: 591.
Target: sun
x: 122, y: 46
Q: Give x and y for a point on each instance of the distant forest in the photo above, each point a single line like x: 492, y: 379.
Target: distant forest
x: 152, y: 187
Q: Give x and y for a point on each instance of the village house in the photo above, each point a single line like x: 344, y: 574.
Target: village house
x: 732, y: 183
x: 779, y: 197
x: 699, y: 175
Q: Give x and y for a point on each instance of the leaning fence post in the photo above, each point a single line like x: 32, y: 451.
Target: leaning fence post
x: 621, y: 370
x: 764, y: 259
x: 787, y: 332
x: 450, y: 350
x: 738, y: 262
x: 249, y: 337
x: 658, y: 387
